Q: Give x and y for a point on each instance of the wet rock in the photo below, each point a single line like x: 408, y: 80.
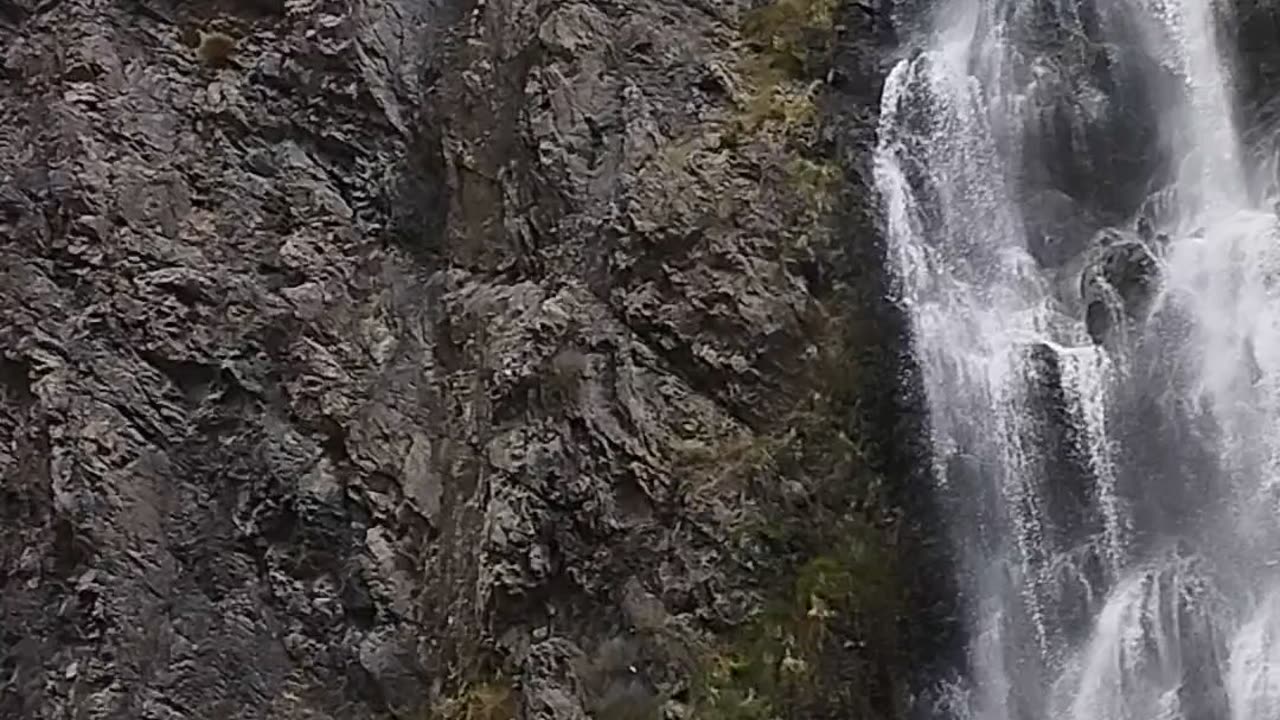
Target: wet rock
x: 1087, y: 130
x: 1257, y: 22
x: 1067, y: 491
x: 1058, y: 228
x: 1120, y: 278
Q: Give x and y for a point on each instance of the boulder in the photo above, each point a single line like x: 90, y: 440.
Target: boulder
x: 1120, y: 278
x: 1058, y: 228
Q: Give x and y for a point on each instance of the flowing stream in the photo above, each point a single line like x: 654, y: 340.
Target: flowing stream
x: 1091, y: 264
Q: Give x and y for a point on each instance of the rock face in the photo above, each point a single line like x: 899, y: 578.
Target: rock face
x: 216, y: 465
x: 1119, y: 281
x: 1257, y: 22
x: 400, y: 358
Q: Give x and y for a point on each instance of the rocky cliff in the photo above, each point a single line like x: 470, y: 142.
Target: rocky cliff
x: 505, y: 358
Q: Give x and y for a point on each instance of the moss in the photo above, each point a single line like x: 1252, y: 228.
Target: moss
x: 788, y: 49
x: 857, y: 578
x: 825, y: 638
x: 738, y: 458
x: 772, y: 131
x: 816, y: 180
x: 804, y: 506
x: 777, y: 105
x: 789, y: 46
x: 491, y: 700
x: 793, y: 36
x: 777, y: 663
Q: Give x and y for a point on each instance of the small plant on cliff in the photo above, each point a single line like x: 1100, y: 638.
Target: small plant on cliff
x: 793, y: 36
x: 816, y: 180
x: 736, y: 459
x: 784, y: 105
x: 215, y: 48
x: 493, y: 700
x: 789, y: 44
x: 823, y: 638
x: 778, y: 660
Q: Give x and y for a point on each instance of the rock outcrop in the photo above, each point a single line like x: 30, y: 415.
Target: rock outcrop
x: 1119, y: 282
x: 394, y: 358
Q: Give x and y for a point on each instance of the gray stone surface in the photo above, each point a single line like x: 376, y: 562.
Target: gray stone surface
x: 329, y: 372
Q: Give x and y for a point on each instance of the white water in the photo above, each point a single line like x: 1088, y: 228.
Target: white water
x: 1114, y: 508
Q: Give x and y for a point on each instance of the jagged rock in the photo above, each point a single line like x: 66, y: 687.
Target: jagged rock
x: 324, y: 370
x: 1120, y: 279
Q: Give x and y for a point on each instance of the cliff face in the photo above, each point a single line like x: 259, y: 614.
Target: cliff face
x: 467, y: 359
x: 215, y: 375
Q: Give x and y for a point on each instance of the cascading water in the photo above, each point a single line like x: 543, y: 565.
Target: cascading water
x: 1094, y: 287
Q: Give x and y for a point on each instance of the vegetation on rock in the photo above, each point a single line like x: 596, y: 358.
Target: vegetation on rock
x: 830, y: 621
x: 793, y: 36
x: 808, y: 510
x: 781, y: 571
x: 491, y: 700
x: 790, y: 43
x: 215, y: 48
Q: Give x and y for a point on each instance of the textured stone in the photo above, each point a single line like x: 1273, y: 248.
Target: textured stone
x: 362, y: 361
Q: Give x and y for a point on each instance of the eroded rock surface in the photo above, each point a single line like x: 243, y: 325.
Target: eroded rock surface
x: 370, y: 363
x: 1120, y: 279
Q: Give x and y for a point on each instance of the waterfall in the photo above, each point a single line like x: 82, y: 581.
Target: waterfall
x: 1092, y: 273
